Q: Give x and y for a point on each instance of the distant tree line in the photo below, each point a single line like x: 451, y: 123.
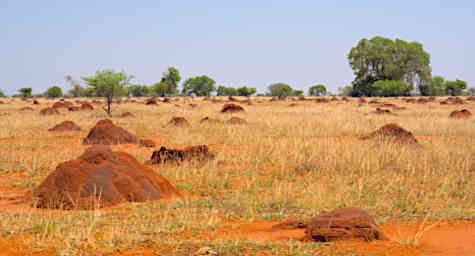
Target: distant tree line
x: 382, y: 68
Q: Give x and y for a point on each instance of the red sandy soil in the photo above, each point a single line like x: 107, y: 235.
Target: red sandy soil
x: 449, y: 238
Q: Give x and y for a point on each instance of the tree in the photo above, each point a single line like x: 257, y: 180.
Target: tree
x: 170, y: 81
x: 384, y: 59
x: 280, y: 90
x: 345, y: 90
x: 2, y: 95
x: 138, y: 90
x: 76, y: 89
x: 455, y: 88
x: 245, y: 91
x: 471, y: 91
x: 108, y: 84
x: 25, y: 92
x: 392, y: 88
x: 226, y: 91
x: 434, y: 87
x: 199, y: 86
x: 54, y: 92
x: 317, y: 90
x: 297, y: 93
x: 160, y: 89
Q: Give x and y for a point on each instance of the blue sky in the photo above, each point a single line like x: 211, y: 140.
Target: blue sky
x: 252, y: 43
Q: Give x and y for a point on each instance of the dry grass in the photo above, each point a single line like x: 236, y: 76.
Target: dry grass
x: 286, y: 163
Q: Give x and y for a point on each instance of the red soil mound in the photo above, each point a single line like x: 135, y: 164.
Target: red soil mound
x: 66, y: 126
x: 179, y: 121
x: 393, y: 133
x: 62, y: 104
x: 334, y: 99
x: 96, y: 102
x: 151, y: 102
x: 464, y: 113
x: 1, y: 102
x: 293, y: 105
x: 49, y: 111
x: 471, y: 98
x: 35, y: 102
x: 86, y: 106
x: 232, y: 99
x: 210, y: 120
x: 381, y: 111
x: 166, y: 100
x: 339, y: 224
x: 127, y: 114
x: 146, y: 143
x: 362, y: 100
x: 236, y: 120
x: 100, y: 178
x: 105, y: 132
x: 231, y: 108
x: 192, y: 105
x: 26, y: 109
x: 322, y: 100
x: 164, y: 155
x: 73, y: 108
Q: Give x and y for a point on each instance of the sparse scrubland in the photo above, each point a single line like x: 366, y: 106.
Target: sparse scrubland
x: 283, y: 163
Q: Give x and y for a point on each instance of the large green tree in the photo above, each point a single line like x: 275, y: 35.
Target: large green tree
x: 434, y: 87
x: 455, y: 88
x: 381, y: 58
x: 54, y: 92
x: 138, y: 90
x: 392, y: 88
x: 25, y: 92
x: 317, y: 90
x: 280, y: 90
x: 471, y: 91
x: 245, y: 91
x: 199, y: 86
x: 226, y: 91
x: 108, y: 84
x: 170, y: 80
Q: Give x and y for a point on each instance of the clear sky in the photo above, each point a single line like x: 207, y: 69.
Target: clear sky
x: 247, y: 42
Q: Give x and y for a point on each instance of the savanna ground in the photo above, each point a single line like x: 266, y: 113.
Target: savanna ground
x: 286, y: 163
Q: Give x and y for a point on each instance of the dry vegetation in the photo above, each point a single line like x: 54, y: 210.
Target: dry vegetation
x: 284, y: 163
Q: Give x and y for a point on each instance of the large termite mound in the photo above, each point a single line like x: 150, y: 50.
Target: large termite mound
x: 393, y: 133
x: 164, y: 155
x: 231, y: 108
x: 339, y: 224
x: 65, y: 126
x: 460, y: 114
x: 179, y: 122
x: 100, y: 178
x: 107, y: 133
x: 49, y: 111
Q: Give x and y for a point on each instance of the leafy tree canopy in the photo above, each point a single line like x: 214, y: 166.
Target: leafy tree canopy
x: 138, y: 90
x: 2, y: 95
x: 76, y: 89
x: 54, y: 92
x: 226, y: 91
x: 455, y: 88
x: 245, y: 91
x: 317, y: 90
x: 108, y: 84
x: 282, y: 90
x: 199, y: 86
x: 392, y: 88
x: 381, y: 58
x: 170, y: 81
x: 25, y: 92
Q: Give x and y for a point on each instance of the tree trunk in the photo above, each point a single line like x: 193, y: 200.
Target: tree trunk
x: 109, y: 102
